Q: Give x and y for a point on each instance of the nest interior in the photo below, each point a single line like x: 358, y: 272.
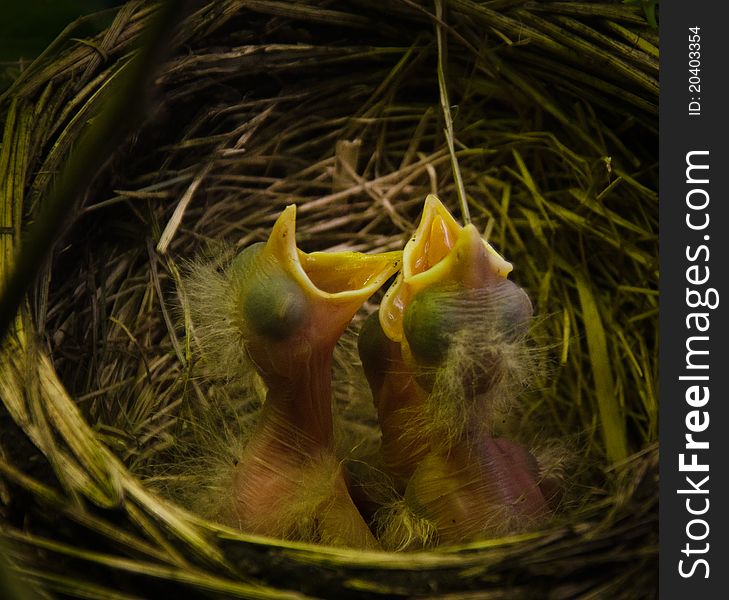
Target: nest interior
x: 334, y: 107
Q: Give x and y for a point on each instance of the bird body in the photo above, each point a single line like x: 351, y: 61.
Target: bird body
x: 290, y: 308
x: 490, y: 486
x: 452, y: 328
x: 399, y: 400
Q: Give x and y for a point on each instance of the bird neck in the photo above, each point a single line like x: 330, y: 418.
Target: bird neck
x: 298, y: 405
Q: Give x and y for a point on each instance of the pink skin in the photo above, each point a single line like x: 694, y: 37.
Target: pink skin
x: 440, y: 251
x: 293, y: 436
x: 473, y: 485
x: 288, y: 481
x: 399, y: 402
x: 474, y: 489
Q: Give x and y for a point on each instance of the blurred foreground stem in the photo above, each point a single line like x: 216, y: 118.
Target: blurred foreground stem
x: 121, y: 110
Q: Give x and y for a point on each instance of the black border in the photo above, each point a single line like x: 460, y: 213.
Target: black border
x: 679, y: 134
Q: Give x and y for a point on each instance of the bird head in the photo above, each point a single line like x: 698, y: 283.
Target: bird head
x: 440, y: 252
x: 290, y: 304
x: 451, y: 280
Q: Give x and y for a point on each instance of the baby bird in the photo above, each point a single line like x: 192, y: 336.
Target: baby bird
x: 290, y: 309
x: 446, y: 348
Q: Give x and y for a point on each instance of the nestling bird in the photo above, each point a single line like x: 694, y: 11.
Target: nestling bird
x: 290, y: 308
x: 445, y: 350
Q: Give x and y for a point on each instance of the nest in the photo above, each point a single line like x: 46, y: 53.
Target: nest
x: 337, y: 108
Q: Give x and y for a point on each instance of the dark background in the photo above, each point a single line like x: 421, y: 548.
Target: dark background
x: 28, y: 26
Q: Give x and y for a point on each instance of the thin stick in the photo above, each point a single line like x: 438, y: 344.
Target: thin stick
x: 445, y: 105
x: 174, y: 222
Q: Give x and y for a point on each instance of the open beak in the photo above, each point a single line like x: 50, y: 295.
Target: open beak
x: 321, y: 290
x: 440, y: 251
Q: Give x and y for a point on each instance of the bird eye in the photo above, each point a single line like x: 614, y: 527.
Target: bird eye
x: 271, y: 304
x: 274, y: 307
x: 495, y: 314
x: 428, y: 325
